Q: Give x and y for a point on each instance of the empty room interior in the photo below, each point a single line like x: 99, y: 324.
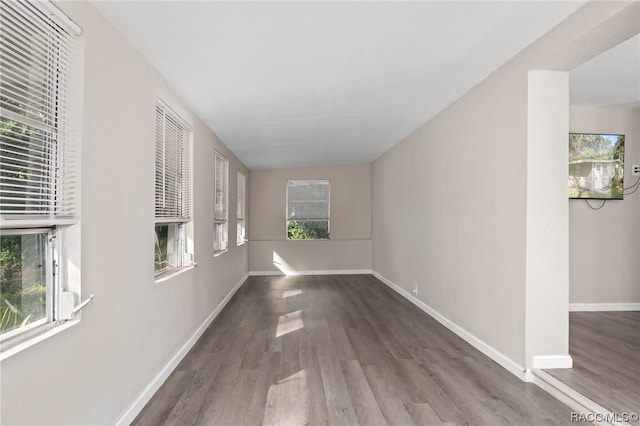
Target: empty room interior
x: 331, y: 212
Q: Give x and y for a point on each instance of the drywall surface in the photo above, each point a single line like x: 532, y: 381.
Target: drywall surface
x: 449, y: 214
x: 605, y: 244
x: 349, y: 246
x: 449, y: 205
x: 92, y: 373
x: 547, y: 240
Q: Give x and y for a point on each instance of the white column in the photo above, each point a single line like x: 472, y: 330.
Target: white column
x: 547, y: 258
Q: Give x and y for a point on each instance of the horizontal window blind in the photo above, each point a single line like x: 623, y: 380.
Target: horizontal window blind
x: 308, y: 200
x: 221, y: 187
x: 173, y: 167
x: 241, y: 229
x: 240, y: 210
x: 38, y: 159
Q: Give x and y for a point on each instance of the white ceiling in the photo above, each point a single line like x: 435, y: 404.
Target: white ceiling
x: 612, y: 78
x: 289, y: 84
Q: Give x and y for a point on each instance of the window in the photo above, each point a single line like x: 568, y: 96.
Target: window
x: 220, y: 229
x: 240, y: 210
x: 25, y: 274
x: 173, y: 190
x: 308, y: 209
x: 38, y: 168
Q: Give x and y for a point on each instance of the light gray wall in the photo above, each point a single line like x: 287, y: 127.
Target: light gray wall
x: 91, y: 373
x: 450, y: 201
x: 349, y: 247
x: 605, y: 244
x: 449, y: 213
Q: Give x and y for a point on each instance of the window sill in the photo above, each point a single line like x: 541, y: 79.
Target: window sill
x: 166, y: 276
x: 55, y: 329
x: 218, y: 253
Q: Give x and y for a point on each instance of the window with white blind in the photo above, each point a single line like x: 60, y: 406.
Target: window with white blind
x: 241, y: 234
x: 308, y: 209
x: 39, y: 154
x: 221, y: 217
x: 173, y: 191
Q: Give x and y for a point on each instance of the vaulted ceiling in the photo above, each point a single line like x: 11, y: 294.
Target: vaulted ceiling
x: 288, y: 84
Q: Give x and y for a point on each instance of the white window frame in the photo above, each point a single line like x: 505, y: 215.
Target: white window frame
x: 290, y: 216
x: 221, y: 205
x: 241, y: 210
x: 60, y: 133
x: 173, y: 203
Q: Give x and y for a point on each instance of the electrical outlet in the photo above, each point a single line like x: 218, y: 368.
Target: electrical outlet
x: 635, y: 170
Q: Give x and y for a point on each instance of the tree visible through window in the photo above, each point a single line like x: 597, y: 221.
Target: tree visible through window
x: 38, y: 187
x: 308, y: 209
x: 23, y: 269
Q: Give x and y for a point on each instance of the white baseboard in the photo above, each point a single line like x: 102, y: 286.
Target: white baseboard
x: 594, y: 307
x: 552, y: 361
x: 483, y: 347
x: 130, y: 414
x: 322, y: 272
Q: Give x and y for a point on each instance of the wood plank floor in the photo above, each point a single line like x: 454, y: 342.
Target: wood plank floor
x: 339, y: 350
x: 605, y: 347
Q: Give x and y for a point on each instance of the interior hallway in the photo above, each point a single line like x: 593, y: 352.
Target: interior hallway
x: 339, y: 350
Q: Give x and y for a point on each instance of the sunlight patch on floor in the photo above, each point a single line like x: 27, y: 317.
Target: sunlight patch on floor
x: 288, y: 401
x: 289, y: 323
x: 290, y: 293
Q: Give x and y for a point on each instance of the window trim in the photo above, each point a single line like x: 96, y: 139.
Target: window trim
x: 221, y: 159
x: 32, y: 338
x: 328, y: 220
x: 61, y: 222
x: 183, y: 216
x: 241, y: 213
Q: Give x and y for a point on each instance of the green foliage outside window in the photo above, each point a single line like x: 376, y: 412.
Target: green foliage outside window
x: 161, y: 244
x: 22, y: 280
x: 23, y: 288
x: 307, y: 230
